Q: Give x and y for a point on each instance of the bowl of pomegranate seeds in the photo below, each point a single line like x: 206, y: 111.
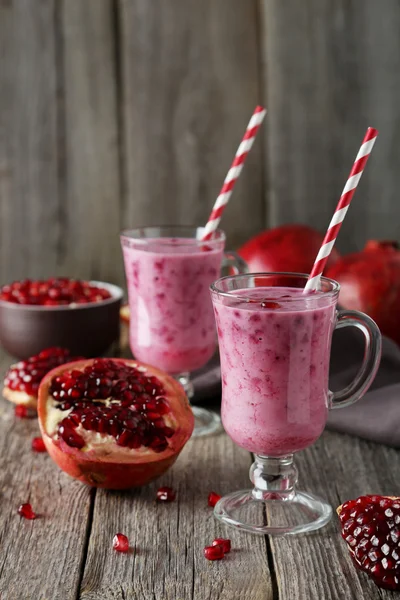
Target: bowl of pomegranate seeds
x: 82, y: 316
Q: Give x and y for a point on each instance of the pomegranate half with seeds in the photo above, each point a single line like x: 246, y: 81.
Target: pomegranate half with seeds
x: 22, y: 380
x: 113, y: 423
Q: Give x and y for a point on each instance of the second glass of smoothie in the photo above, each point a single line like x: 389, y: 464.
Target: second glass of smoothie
x: 169, y: 271
x: 275, y: 344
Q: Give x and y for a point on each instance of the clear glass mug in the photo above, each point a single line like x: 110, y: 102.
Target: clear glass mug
x: 275, y: 344
x: 169, y: 271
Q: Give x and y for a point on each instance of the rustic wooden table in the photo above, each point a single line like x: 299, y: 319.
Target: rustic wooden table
x: 67, y: 553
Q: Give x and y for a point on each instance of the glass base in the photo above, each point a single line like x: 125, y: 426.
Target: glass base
x: 298, y: 513
x: 206, y: 422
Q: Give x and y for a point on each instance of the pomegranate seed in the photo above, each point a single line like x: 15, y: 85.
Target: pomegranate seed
x: 38, y: 445
x: 25, y: 510
x: 271, y: 305
x: 165, y: 494
x: 70, y: 437
x: 158, y: 444
x: 226, y: 544
x: 214, y: 552
x: 120, y: 542
x: 21, y: 411
x: 371, y: 528
x: 213, y: 498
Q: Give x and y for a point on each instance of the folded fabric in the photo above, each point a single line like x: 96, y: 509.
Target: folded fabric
x: 375, y: 417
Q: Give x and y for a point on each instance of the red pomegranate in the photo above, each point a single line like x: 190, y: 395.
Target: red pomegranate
x: 370, y: 528
x: 22, y: 380
x: 370, y: 282
x: 113, y: 423
x: 289, y: 248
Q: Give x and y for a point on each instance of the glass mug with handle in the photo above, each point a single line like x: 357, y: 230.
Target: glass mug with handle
x: 169, y: 271
x: 275, y: 345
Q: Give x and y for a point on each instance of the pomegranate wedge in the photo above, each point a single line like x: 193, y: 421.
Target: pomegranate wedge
x: 22, y: 380
x: 113, y: 423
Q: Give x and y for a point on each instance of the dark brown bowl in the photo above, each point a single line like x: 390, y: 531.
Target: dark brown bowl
x: 85, y: 329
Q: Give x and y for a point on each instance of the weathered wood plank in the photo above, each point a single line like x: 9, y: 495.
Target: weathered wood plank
x: 190, y: 83
x: 168, y: 561
x: 91, y: 218
x: 39, y: 559
x: 318, y: 565
x: 29, y: 199
x: 331, y: 70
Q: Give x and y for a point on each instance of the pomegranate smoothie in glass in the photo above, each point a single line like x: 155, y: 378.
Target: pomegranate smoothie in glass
x: 275, y: 364
x: 169, y: 271
x: 275, y: 344
x: 172, y: 321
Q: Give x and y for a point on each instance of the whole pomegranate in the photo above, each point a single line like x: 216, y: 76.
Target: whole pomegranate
x: 113, y: 423
x: 290, y: 248
x: 370, y: 282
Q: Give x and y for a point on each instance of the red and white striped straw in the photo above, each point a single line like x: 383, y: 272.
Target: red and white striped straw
x: 341, y: 209
x: 234, y: 172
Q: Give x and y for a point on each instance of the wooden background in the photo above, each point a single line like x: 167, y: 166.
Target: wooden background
x: 115, y: 113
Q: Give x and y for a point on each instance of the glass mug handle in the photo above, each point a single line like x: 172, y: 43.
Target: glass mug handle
x: 236, y: 262
x: 372, y: 354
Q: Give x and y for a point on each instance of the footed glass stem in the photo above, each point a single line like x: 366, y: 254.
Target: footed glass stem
x: 273, y: 506
x: 206, y: 422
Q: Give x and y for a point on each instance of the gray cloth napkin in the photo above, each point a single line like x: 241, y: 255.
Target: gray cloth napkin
x: 375, y: 417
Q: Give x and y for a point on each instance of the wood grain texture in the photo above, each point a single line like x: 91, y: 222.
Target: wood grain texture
x: 318, y: 565
x: 29, y: 198
x: 91, y: 217
x: 332, y: 69
x: 67, y: 553
x: 40, y: 559
x: 167, y: 561
x: 190, y: 83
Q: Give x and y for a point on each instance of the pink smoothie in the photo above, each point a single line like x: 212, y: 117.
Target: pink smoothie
x: 172, y: 323
x: 275, y: 367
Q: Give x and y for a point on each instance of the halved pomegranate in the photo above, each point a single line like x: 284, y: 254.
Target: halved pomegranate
x: 113, y: 423
x: 22, y: 380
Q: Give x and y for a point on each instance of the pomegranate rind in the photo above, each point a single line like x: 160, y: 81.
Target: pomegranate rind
x: 18, y: 397
x: 121, y: 469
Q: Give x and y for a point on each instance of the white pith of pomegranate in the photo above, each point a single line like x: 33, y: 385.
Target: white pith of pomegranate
x: 22, y: 380
x: 113, y: 423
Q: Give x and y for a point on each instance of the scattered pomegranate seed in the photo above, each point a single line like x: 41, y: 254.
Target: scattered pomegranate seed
x: 371, y: 529
x: 213, y: 498
x: 52, y: 292
x: 166, y: 494
x: 21, y: 411
x: 266, y: 304
x: 25, y: 510
x: 214, y: 552
x: 226, y: 544
x: 120, y: 542
x: 38, y: 445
